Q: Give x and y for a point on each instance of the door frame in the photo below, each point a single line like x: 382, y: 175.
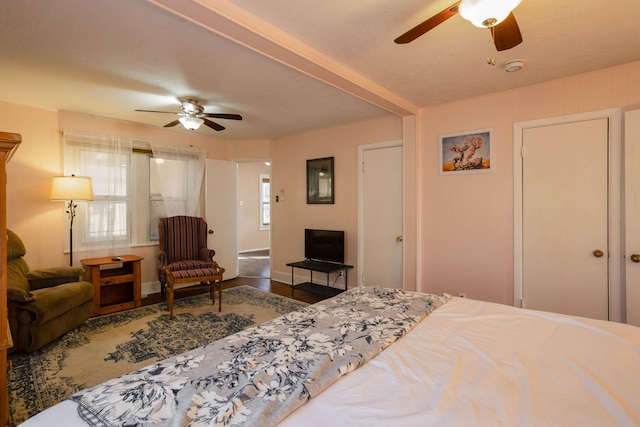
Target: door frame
x: 238, y: 160
x: 361, y: 150
x: 616, y: 286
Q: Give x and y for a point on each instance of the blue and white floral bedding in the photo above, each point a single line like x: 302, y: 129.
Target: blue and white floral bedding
x: 260, y: 375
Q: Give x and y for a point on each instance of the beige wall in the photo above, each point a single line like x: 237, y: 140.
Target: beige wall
x: 292, y: 215
x: 467, y: 220
x: 250, y: 236
x: 242, y: 150
x: 38, y: 221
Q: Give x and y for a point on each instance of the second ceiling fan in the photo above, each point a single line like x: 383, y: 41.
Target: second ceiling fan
x: 493, y: 14
x: 193, y: 115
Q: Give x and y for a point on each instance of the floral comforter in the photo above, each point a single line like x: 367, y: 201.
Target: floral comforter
x: 260, y: 375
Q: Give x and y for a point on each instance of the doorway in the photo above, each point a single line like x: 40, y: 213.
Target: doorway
x: 254, y: 264
x: 254, y: 218
x: 567, y: 215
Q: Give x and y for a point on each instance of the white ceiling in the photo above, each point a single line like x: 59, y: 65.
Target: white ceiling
x: 287, y: 66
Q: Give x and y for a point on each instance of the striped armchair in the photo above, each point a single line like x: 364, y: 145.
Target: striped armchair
x: 183, y: 246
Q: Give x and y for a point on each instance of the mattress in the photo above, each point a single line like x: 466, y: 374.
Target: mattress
x: 477, y: 363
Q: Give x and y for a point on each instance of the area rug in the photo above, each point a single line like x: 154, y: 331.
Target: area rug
x: 115, y: 344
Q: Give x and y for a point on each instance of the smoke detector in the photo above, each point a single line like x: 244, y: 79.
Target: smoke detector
x: 513, y: 65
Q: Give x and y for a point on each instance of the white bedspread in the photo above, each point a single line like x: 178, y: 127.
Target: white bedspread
x: 472, y: 363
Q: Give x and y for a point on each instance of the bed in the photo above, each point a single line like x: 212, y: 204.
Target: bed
x: 453, y: 362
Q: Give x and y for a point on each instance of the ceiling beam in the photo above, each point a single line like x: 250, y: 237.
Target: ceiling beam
x: 236, y: 24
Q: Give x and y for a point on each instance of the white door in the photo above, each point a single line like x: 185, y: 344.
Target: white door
x: 565, y: 218
x: 380, y: 243
x: 221, y: 194
x: 632, y: 215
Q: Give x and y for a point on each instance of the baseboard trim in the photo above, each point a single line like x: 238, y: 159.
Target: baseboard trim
x: 244, y: 251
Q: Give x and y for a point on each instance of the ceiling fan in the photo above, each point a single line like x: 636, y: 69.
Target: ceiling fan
x: 192, y: 115
x: 493, y: 14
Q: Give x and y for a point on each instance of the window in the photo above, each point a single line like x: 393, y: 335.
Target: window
x: 108, y: 216
x: 106, y: 221
x: 175, y: 191
x: 265, y: 199
x: 132, y: 188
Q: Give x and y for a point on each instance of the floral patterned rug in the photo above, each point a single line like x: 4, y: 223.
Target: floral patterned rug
x: 109, y: 346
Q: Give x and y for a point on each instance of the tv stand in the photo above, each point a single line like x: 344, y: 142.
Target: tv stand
x: 323, y: 267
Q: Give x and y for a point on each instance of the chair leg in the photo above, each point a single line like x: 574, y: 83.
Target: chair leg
x: 169, y: 300
x: 212, y: 291
x: 219, y: 294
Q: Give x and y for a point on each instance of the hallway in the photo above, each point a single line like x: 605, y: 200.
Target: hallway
x: 254, y: 264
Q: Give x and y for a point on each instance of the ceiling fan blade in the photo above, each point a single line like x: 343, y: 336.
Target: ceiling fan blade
x: 154, y: 111
x: 224, y: 116
x: 427, y: 25
x: 506, y: 34
x: 213, y: 125
x: 173, y: 123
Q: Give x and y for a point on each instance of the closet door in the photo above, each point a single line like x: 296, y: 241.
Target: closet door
x: 381, y: 217
x: 565, y: 206
x: 632, y: 215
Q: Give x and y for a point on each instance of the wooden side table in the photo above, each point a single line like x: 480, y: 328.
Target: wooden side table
x: 116, y: 282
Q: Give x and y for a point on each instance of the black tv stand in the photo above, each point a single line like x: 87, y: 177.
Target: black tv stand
x: 323, y: 267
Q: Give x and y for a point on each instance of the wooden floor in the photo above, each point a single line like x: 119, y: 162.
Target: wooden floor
x: 263, y: 284
x: 254, y: 264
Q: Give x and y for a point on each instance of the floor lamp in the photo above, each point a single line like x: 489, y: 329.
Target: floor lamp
x: 70, y: 188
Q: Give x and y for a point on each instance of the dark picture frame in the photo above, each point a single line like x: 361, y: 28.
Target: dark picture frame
x: 320, y: 181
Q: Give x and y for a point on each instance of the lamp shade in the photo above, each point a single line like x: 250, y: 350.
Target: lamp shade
x: 486, y: 13
x: 71, y: 188
x: 191, y: 123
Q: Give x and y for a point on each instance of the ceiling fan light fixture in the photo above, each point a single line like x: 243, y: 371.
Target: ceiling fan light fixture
x: 486, y: 13
x: 191, y: 123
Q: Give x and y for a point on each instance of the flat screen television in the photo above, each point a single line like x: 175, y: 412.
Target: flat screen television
x: 324, y: 245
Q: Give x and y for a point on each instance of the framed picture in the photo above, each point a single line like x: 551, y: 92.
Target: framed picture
x: 320, y: 181
x: 468, y: 152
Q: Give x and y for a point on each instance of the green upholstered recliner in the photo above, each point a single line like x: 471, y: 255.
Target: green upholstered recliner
x: 43, y: 304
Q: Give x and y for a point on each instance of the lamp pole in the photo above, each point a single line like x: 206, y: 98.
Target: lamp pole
x: 71, y: 210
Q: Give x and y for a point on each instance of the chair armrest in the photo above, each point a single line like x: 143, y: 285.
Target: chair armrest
x: 217, y: 267
x: 162, y: 258
x: 19, y: 295
x: 207, y: 254
x: 47, y: 277
x: 52, y: 302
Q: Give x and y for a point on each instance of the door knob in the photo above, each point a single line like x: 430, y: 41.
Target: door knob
x: 210, y: 231
x: 635, y: 257
x: 399, y: 239
x: 598, y: 253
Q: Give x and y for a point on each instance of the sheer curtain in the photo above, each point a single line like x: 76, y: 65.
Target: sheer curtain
x: 106, y: 221
x: 177, y: 172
